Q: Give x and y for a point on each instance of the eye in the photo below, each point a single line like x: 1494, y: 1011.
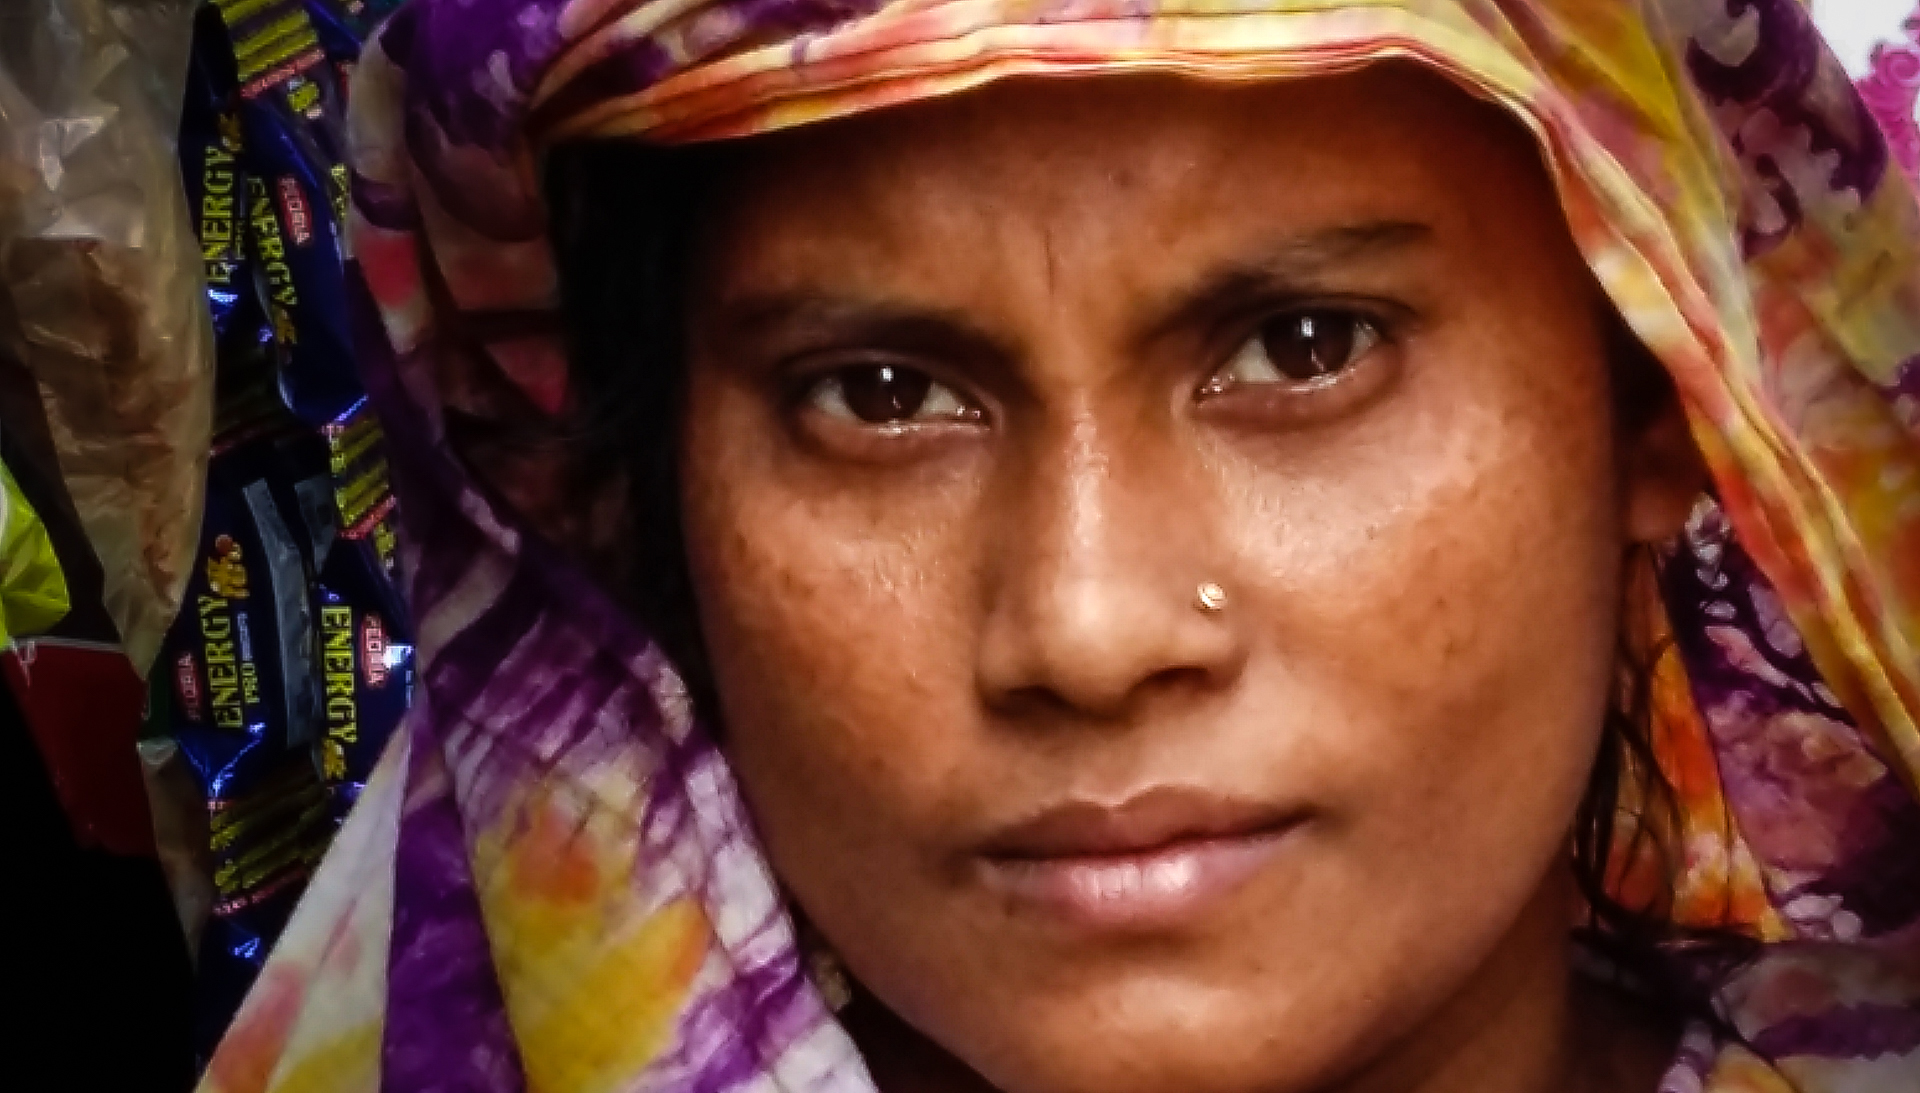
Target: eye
x: 886, y: 394
x: 1300, y: 349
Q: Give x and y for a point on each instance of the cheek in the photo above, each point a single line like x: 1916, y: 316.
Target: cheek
x: 1442, y: 592
x: 835, y: 626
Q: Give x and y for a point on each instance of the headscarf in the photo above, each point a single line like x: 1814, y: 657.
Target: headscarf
x: 552, y: 884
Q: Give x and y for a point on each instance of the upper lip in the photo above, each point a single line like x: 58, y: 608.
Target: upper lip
x: 1143, y: 822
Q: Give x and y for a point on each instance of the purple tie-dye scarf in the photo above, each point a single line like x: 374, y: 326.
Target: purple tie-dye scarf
x: 552, y: 883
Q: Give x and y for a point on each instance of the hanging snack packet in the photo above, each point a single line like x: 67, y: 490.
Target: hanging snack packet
x: 367, y: 666
x: 265, y: 846
x: 366, y: 653
x: 243, y: 650
x: 212, y: 161
x: 357, y: 454
x: 353, y: 19
x: 247, y: 712
x: 344, y: 26
x: 210, y: 149
x: 297, y: 192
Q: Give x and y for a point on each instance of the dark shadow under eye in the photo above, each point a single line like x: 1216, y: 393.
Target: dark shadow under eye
x: 883, y: 394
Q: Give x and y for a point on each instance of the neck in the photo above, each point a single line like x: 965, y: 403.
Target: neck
x: 1524, y: 1023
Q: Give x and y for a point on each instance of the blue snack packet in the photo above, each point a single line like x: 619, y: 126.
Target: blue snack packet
x: 366, y: 650
x: 272, y: 853
x: 343, y: 27
x: 241, y: 654
x: 213, y: 166
x: 351, y: 20
x: 292, y: 114
x: 246, y: 708
x: 210, y: 165
x: 291, y: 666
x: 363, y: 493
x: 367, y: 667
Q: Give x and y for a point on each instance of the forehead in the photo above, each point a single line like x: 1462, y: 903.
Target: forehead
x: 1149, y: 161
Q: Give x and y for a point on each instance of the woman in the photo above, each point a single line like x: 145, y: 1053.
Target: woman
x: 1170, y: 563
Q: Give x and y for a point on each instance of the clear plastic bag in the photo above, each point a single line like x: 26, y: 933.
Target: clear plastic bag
x: 101, y: 294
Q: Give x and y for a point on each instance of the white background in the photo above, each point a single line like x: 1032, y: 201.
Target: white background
x: 1853, y: 26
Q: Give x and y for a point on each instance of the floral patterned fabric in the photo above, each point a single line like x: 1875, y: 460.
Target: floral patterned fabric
x: 1880, y: 46
x: 552, y: 884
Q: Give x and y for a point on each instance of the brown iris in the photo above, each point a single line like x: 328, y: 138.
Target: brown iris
x: 884, y: 394
x: 1312, y: 345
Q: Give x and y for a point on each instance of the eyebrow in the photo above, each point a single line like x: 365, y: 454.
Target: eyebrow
x: 897, y: 324
x: 1295, y: 264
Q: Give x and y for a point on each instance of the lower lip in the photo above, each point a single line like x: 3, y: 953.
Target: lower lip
x: 1159, y: 889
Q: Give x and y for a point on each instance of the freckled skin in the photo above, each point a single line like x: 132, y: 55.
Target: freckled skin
x: 918, y: 640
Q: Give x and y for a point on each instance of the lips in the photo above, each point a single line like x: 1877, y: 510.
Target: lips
x: 1160, y: 860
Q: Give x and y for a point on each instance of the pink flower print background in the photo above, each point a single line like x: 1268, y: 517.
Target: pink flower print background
x: 1879, y: 41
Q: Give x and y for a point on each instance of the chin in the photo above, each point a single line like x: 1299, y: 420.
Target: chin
x: 1198, y: 1063
x: 1158, y: 1038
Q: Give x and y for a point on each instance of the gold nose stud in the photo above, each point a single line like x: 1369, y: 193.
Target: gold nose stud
x: 1210, y: 597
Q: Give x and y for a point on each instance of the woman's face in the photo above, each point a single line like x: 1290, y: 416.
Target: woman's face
x: 982, y: 391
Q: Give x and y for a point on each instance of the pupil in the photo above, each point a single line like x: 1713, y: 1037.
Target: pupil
x: 1310, y: 346
x: 882, y: 393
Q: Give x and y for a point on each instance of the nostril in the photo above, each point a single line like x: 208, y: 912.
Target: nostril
x: 1113, y: 683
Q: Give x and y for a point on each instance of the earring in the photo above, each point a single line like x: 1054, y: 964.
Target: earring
x: 1210, y: 597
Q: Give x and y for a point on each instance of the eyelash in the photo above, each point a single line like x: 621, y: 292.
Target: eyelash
x: 1366, y: 331
x: 894, y: 411
x: 915, y: 385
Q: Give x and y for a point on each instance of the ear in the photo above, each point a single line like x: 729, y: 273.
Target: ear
x: 1662, y: 474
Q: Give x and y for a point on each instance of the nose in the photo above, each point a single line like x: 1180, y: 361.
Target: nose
x: 1094, y: 598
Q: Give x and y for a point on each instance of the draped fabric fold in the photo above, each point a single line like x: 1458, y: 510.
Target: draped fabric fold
x: 553, y: 885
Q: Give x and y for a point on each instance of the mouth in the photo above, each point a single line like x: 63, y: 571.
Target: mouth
x: 1162, y: 859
